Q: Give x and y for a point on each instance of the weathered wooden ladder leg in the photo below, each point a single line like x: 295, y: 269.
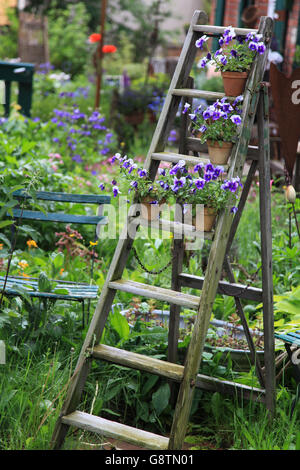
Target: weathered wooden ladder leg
x: 266, y: 246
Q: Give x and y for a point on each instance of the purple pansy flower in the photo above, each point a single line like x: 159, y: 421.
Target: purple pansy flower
x: 201, y: 41
x: 252, y: 46
x: 116, y: 191
x: 185, y: 108
x: 199, y: 183
x: 236, y: 119
x: 142, y: 173
x: 198, y: 167
x: 261, y: 48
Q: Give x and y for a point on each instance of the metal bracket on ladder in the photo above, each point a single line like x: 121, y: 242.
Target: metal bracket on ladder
x: 186, y: 376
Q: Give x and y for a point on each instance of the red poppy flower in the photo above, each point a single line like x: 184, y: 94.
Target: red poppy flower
x: 95, y: 37
x: 109, y: 49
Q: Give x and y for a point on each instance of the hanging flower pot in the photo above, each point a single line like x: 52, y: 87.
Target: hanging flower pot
x: 234, y: 82
x: 206, y: 220
x: 219, y: 151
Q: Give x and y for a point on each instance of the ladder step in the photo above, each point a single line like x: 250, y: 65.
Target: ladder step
x: 207, y: 95
x: 154, y: 292
x: 176, y: 157
x: 218, y: 30
x: 115, y: 430
x: 177, y: 228
x: 138, y: 361
x: 224, y: 287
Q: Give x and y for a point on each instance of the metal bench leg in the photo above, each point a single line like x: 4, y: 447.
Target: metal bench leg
x: 83, y: 315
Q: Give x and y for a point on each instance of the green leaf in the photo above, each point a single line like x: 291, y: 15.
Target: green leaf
x: 151, y: 381
x: 5, y: 223
x: 44, y: 283
x: 61, y: 291
x: 120, y: 325
x: 160, y: 398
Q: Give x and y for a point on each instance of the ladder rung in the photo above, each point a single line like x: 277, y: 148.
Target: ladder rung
x: 176, y: 157
x: 207, y: 95
x: 115, y: 430
x: 138, y: 361
x: 224, y: 287
x: 177, y: 228
x: 154, y: 292
x: 210, y: 29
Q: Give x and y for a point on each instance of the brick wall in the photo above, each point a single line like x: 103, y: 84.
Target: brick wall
x: 231, y: 17
x: 212, y: 14
x: 291, y: 38
x: 231, y: 13
x: 263, y: 7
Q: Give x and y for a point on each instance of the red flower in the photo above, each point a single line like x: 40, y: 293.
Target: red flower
x: 95, y: 37
x: 109, y: 49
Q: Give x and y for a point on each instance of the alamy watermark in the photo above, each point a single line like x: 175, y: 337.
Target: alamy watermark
x: 296, y: 93
x: 2, y: 352
x: 2, y: 92
x: 155, y: 221
x: 296, y: 354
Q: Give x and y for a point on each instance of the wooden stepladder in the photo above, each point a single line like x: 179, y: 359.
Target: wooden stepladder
x: 255, y: 104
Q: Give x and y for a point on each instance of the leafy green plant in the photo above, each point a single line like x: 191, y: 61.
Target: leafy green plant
x: 219, y: 122
x: 68, y: 33
x: 9, y: 36
x: 233, y: 57
x: 287, y: 310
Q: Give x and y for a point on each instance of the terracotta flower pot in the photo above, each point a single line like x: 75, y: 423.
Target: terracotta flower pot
x: 219, y: 152
x: 209, y: 217
x: 234, y: 82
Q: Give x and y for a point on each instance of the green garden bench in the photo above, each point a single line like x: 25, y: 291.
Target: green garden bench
x: 22, y: 73
x: 293, y: 339
x: 75, y: 291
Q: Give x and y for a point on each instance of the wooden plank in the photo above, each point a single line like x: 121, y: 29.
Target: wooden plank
x: 154, y: 292
x: 207, y: 95
x: 59, y: 217
x: 177, y: 228
x: 218, y: 250
x: 176, y: 157
x: 138, y: 361
x: 266, y: 248
x: 219, y: 30
x: 64, y: 197
x: 173, y: 371
x: 107, y: 428
x: 212, y: 384
x: 224, y: 287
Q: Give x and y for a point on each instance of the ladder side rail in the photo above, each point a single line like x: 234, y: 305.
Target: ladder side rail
x: 171, y: 103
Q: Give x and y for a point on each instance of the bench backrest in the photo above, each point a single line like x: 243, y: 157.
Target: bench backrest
x: 63, y: 217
